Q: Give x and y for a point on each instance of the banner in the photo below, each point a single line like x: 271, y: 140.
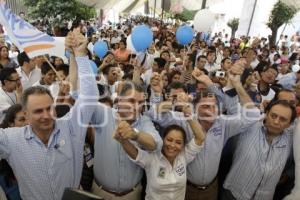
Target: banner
x: 28, y: 38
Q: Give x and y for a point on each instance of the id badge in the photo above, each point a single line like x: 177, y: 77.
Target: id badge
x: 88, y: 157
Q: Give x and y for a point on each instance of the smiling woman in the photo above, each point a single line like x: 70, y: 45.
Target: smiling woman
x: 166, y: 169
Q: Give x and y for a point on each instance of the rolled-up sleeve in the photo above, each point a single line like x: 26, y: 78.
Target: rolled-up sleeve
x: 191, y: 150
x: 147, y: 126
x: 230, y: 104
x: 143, y: 158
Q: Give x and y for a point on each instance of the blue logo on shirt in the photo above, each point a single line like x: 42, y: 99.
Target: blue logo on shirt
x: 180, y: 170
x: 217, y: 131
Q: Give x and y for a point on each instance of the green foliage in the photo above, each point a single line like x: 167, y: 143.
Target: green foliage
x: 66, y: 9
x: 186, y: 15
x: 233, y: 23
x: 280, y: 14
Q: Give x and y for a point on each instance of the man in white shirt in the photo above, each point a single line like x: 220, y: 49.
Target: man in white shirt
x: 108, y: 81
x: 10, y: 91
x: 27, y: 71
x: 272, y: 54
x: 91, y: 43
x: 48, y: 80
x: 115, y: 39
x: 157, y: 66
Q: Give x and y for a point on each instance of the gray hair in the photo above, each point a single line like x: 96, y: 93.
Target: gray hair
x: 33, y: 90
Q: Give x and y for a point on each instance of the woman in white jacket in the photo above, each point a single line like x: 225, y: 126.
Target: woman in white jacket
x: 166, y: 169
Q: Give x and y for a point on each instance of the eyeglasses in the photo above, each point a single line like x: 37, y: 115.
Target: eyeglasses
x: 14, y: 80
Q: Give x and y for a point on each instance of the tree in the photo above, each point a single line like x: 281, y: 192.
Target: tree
x: 233, y: 24
x: 280, y: 14
x: 186, y: 15
x: 66, y: 9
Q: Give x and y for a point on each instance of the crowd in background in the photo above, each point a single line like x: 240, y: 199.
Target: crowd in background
x: 215, y: 119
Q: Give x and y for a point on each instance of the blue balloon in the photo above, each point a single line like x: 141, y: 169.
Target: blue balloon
x: 141, y: 37
x: 100, y: 49
x: 94, y: 67
x: 67, y: 54
x: 184, y: 35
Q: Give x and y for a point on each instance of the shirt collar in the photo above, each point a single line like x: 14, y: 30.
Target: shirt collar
x: 278, y: 141
x: 29, y: 134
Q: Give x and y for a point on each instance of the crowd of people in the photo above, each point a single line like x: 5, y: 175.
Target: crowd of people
x: 216, y: 119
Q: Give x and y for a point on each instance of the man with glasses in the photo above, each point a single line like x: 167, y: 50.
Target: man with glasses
x: 10, y: 91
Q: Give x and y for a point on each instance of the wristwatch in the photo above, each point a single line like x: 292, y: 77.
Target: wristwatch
x: 136, y: 134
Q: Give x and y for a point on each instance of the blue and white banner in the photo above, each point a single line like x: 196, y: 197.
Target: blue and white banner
x: 28, y: 38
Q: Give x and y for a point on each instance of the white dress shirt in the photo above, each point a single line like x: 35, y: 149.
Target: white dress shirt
x: 7, y: 99
x: 28, y: 81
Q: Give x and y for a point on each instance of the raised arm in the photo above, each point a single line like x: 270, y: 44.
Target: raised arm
x: 73, y: 75
x: 88, y: 93
x: 230, y: 103
x: 146, y: 140
x: 137, y: 155
x: 195, y: 125
x: 235, y: 78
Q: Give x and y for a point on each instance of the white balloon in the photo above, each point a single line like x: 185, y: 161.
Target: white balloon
x: 204, y: 20
x: 295, y: 68
x: 130, y: 45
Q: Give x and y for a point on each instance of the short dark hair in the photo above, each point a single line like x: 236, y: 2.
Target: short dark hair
x: 177, y: 128
x: 269, y: 67
x: 45, y: 68
x: 124, y: 42
x: 160, y: 62
x: 106, y: 99
x: 172, y: 74
x: 224, y: 59
x: 129, y: 85
x: 5, y: 74
x: 23, y: 57
x: 177, y: 85
x: 285, y: 104
x: 64, y: 68
x: 34, y: 90
x: 107, y: 68
x: 201, y: 56
x: 165, y: 51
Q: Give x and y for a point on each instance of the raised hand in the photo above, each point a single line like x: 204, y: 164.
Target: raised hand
x: 80, y: 45
x: 201, y: 77
x: 69, y: 42
x: 238, y: 67
x: 236, y: 71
